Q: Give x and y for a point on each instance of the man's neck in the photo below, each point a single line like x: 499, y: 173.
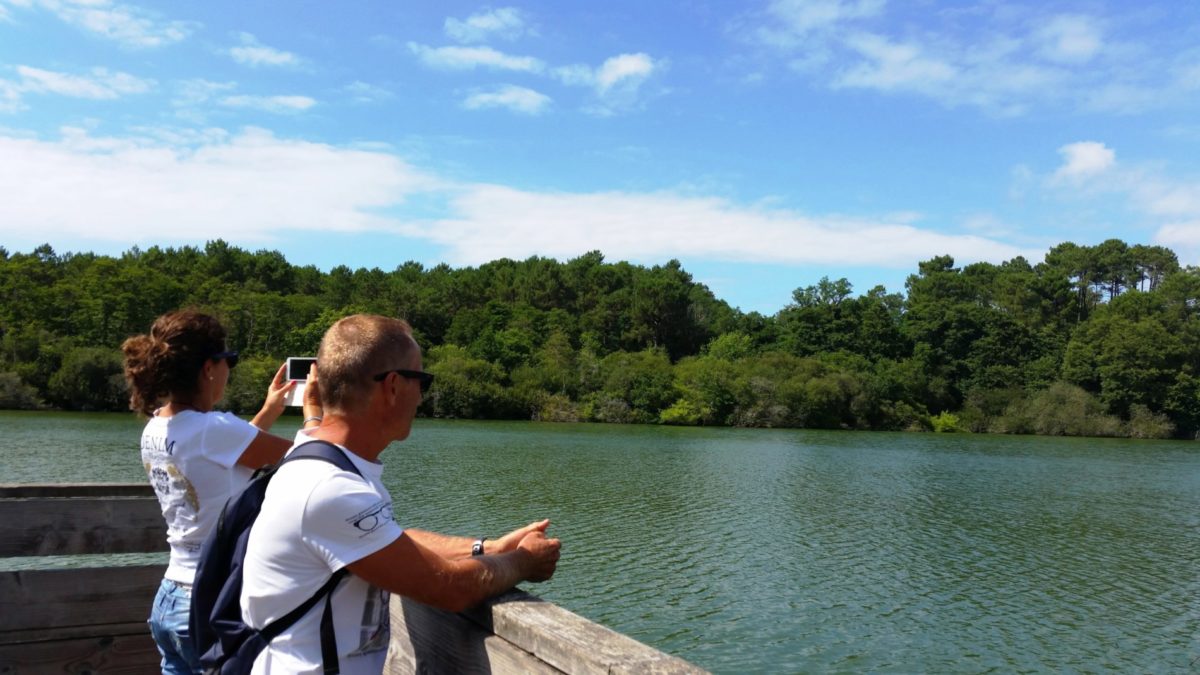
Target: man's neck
x: 355, y: 435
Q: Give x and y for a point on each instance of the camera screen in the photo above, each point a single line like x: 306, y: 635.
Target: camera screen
x: 297, y: 367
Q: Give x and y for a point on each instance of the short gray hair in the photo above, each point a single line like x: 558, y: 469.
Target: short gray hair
x: 354, y: 350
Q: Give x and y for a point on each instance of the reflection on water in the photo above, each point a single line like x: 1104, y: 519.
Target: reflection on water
x: 798, y: 551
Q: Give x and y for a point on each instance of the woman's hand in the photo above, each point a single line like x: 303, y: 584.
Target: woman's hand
x: 277, y: 391
x: 276, y: 395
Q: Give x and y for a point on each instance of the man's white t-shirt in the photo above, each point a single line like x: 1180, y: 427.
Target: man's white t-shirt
x: 191, y: 460
x: 316, y: 519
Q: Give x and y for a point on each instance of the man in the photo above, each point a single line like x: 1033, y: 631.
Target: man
x: 317, y: 518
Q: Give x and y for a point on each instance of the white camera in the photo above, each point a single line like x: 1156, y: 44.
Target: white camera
x: 297, y: 370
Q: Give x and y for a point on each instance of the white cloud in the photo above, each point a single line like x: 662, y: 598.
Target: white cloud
x: 615, y: 84
x: 131, y: 26
x: 517, y: 99
x: 507, y: 23
x: 10, y: 97
x: 1163, y: 197
x: 794, y: 21
x: 249, y: 186
x: 198, y: 92
x: 1084, y: 159
x: 985, y: 75
x: 103, y: 83
x: 988, y: 225
x: 1069, y: 39
x: 494, y: 221
x: 1182, y: 236
x: 469, y: 58
x: 271, y: 104
x: 625, y: 69
x: 891, y: 65
x: 1122, y: 98
x: 1173, y: 202
x: 253, y: 53
x: 1154, y: 199
x: 253, y: 186
x: 576, y: 75
x: 100, y: 84
x: 362, y: 92
x: 1002, y: 58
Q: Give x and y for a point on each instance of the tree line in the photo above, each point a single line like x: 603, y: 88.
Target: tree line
x: 1094, y: 340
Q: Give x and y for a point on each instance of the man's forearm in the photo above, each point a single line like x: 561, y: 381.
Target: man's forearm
x: 483, y: 577
x: 445, y: 545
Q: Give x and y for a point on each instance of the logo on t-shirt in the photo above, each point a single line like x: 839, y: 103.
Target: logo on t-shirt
x: 372, y: 519
x: 376, y: 623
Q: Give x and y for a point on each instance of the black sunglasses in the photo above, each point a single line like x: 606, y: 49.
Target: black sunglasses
x: 230, y: 357
x: 426, y: 379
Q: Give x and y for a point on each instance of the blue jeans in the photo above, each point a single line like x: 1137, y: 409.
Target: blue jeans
x: 169, y: 626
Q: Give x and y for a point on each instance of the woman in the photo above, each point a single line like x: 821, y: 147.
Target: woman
x: 196, y: 458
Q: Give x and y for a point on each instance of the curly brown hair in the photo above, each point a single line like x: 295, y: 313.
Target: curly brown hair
x: 166, y: 363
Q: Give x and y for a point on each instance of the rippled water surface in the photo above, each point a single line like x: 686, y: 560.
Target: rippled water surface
x: 799, y: 551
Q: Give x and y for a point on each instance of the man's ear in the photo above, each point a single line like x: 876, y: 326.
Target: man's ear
x: 390, y: 392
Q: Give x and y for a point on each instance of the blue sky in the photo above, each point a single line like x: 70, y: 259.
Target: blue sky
x: 764, y: 144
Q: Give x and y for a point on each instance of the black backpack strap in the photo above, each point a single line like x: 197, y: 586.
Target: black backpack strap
x: 273, y: 629
x: 329, y: 652
x: 323, y: 450
x: 334, y: 455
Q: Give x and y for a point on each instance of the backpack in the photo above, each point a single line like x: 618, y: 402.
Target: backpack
x: 225, y: 644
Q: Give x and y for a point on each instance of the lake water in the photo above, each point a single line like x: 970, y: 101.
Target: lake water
x: 798, y: 551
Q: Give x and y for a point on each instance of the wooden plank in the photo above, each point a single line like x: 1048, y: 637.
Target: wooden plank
x: 62, y: 633
x: 47, y: 526
x: 428, y: 640
x: 34, y: 599
x: 63, y: 490
x: 568, y: 641
x: 118, y: 655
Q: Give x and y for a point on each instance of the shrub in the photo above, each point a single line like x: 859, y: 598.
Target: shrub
x: 946, y: 422
x: 90, y: 378
x: 469, y: 387
x: 556, y: 408
x: 1062, y: 409
x: 683, y: 413
x: 15, y: 394
x: 1146, y: 424
x: 600, y: 407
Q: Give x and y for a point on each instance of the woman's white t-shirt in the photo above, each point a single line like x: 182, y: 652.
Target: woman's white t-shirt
x: 191, y: 459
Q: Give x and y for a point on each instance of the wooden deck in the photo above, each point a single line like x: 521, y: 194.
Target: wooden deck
x: 93, y: 620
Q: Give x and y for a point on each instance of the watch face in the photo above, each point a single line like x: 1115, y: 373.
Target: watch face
x: 477, y: 547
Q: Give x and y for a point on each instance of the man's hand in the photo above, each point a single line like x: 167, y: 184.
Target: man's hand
x: 542, y: 555
x: 312, y: 395
x: 509, y: 541
x: 407, y: 567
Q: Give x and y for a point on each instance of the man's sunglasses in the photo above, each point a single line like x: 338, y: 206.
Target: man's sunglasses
x: 426, y: 379
x: 230, y: 357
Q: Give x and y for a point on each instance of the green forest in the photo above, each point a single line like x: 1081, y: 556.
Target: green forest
x: 1092, y: 341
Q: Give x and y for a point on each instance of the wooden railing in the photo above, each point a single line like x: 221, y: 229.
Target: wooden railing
x: 93, y: 619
